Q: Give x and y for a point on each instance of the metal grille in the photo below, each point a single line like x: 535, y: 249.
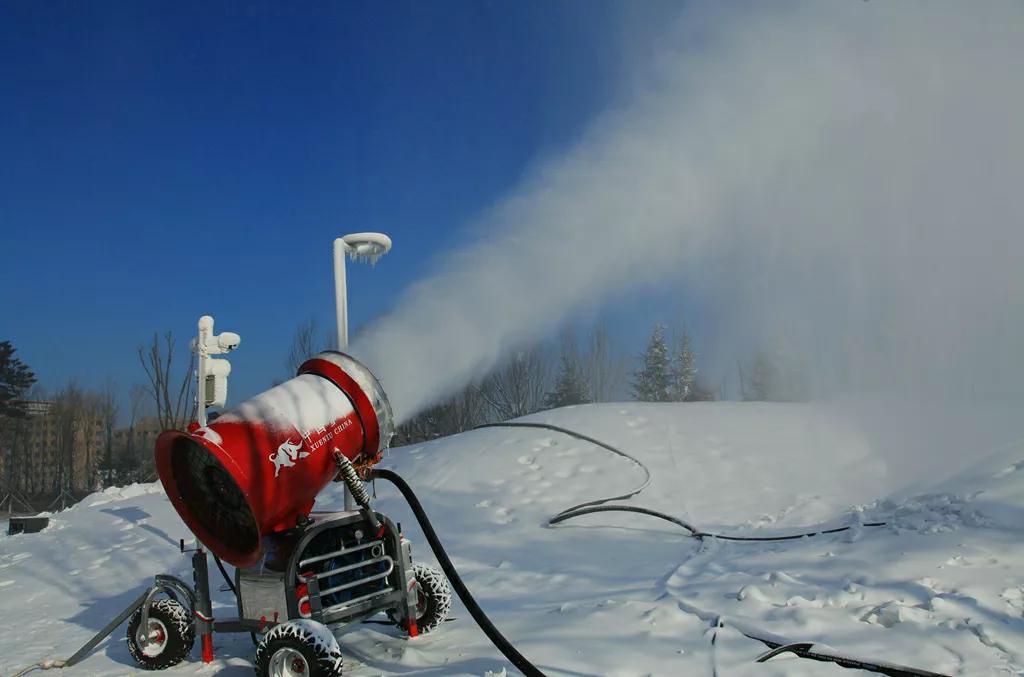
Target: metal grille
x: 348, y: 575
x: 212, y: 496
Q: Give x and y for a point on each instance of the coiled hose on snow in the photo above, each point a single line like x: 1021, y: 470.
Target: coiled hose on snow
x: 801, y: 649
x: 601, y: 504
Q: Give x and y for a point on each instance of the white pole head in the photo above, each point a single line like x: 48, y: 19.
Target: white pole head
x: 367, y: 246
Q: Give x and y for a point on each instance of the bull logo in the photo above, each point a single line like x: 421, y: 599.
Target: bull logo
x: 286, y: 455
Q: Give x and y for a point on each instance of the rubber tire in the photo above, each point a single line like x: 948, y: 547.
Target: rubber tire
x: 437, y: 598
x: 300, y: 635
x: 181, y: 634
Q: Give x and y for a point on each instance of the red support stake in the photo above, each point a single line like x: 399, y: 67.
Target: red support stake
x: 414, y: 631
x: 208, y: 648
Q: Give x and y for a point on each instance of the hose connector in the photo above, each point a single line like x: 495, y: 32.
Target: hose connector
x: 347, y: 473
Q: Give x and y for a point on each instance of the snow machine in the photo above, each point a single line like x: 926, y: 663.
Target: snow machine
x: 245, y: 485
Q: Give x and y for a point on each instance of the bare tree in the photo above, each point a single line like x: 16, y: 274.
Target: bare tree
x: 17, y: 472
x: 133, y: 464
x: 107, y: 404
x: 78, y: 419
x: 65, y: 409
x: 517, y: 387
x: 172, y: 395
x: 462, y: 411
x: 305, y: 344
x: 138, y: 398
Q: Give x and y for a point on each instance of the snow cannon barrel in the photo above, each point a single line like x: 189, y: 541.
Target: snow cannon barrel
x: 258, y: 468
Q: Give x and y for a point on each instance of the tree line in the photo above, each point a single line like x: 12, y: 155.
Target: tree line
x: 90, y: 443
x: 572, y: 372
x: 70, y: 442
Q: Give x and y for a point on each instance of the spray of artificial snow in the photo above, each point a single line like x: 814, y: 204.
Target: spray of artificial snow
x: 847, y: 175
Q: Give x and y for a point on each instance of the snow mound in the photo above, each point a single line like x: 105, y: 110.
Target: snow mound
x: 939, y: 587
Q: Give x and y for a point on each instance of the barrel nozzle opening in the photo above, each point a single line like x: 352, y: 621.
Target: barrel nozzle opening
x: 210, y: 501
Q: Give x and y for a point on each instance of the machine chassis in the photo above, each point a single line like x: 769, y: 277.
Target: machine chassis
x: 398, y: 599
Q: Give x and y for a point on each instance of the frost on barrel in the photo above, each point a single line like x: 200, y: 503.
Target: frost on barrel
x: 258, y: 468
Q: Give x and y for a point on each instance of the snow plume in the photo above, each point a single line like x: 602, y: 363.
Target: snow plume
x: 847, y: 177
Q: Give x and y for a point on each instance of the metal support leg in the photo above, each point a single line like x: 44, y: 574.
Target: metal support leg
x: 204, y: 607
x: 107, y: 629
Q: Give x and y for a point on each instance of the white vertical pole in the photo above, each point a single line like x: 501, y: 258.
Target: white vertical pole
x: 341, y: 309
x: 341, y: 292
x: 205, y: 328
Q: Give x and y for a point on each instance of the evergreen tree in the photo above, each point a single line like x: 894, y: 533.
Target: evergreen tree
x: 684, y: 371
x: 761, y: 381
x: 15, y: 380
x: 570, y: 385
x: 653, y: 383
x: 774, y: 376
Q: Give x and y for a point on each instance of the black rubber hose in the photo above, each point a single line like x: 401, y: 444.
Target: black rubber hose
x: 499, y: 641
x: 788, y: 537
x: 807, y: 650
x: 569, y: 514
x: 562, y: 516
x: 804, y: 649
x: 599, y: 504
x: 585, y: 438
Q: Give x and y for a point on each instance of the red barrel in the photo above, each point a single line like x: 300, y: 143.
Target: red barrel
x: 258, y: 468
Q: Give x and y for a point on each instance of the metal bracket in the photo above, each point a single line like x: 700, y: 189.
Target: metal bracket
x: 108, y: 628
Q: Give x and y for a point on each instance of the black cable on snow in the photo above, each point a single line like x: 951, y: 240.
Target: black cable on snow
x: 817, y: 652
x: 714, y: 646
x: 585, y: 438
x: 499, y: 641
x: 808, y: 650
x: 795, y: 648
x: 801, y: 649
x: 599, y: 505
x: 570, y: 513
x: 787, y: 537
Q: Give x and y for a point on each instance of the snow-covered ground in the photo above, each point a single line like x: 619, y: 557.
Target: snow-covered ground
x: 941, y: 588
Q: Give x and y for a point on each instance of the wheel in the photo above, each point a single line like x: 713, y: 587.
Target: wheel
x: 168, y: 638
x: 300, y: 648
x: 433, y: 598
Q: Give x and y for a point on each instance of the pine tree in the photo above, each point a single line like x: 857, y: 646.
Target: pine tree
x: 684, y: 371
x: 570, y: 386
x: 653, y: 382
x: 15, y: 380
x: 775, y: 376
x: 761, y: 381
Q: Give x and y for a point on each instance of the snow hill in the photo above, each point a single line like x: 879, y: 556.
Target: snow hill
x: 941, y: 588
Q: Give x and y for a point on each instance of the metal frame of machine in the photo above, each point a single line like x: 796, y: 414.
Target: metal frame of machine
x: 388, y: 548
x: 267, y: 598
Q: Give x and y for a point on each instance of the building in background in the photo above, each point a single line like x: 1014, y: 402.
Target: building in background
x: 57, y: 446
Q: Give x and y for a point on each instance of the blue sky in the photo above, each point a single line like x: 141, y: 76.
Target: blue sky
x: 165, y: 160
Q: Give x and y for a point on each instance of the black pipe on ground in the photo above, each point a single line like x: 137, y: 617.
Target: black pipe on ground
x: 499, y: 641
